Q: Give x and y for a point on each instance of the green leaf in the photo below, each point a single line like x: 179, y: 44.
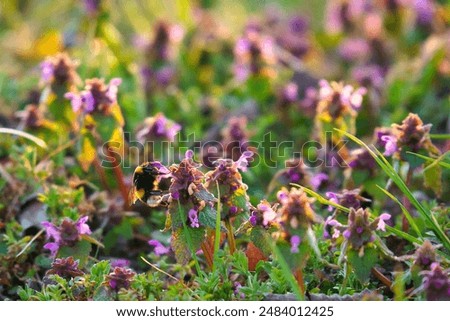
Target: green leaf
x: 259, y: 236
x: 432, y: 176
x: 79, y: 251
x: 207, y: 217
x: 364, y: 264
x: 180, y: 244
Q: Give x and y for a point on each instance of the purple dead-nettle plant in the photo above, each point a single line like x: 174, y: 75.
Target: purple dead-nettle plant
x: 188, y: 189
x: 264, y: 215
x: 158, y: 248
x: 295, y: 172
x: 120, y: 278
x: 68, y: 233
x: 157, y: 128
x: 296, y: 217
x: 360, y: 159
x: 425, y: 256
x: 65, y: 267
x: 59, y: 72
x: 337, y: 98
x: 436, y: 283
x: 254, y: 55
x: 227, y: 180
x: 97, y: 97
x: 346, y: 198
x: 235, y: 138
x: 359, y: 230
x: 318, y: 180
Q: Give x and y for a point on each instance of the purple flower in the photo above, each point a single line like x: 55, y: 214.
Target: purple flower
x: 120, y: 278
x: 268, y: 214
x: 97, y: 97
x: 318, y: 179
x: 332, y: 197
x: 59, y: 71
x: 347, y: 198
x: 237, y: 292
x: 67, y: 234
x: 120, y: 263
x: 369, y: 76
x: 92, y: 7
x: 330, y: 223
x: 424, y: 12
x: 295, y: 242
x: 47, y: 70
x: 159, y: 248
x: 382, y: 222
x: 253, y: 218
x: 436, y: 283
x: 158, y: 128
x: 337, y: 99
x: 193, y: 217
x: 354, y: 49
x: 425, y: 255
x: 390, y: 145
x: 243, y: 161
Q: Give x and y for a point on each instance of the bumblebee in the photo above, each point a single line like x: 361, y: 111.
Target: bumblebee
x: 146, y: 179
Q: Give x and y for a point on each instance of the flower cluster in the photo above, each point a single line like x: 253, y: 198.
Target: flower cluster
x: 425, y: 256
x: 120, y: 278
x: 65, y: 267
x: 359, y: 230
x: 263, y: 215
x: 97, y: 97
x: 436, y: 283
x: 295, y: 172
x: 337, y: 99
x: 227, y: 177
x: 296, y: 216
x: 347, y: 198
x: 187, y: 187
x: 68, y: 233
x: 59, y: 72
x: 158, y: 128
x: 235, y: 138
x: 254, y: 55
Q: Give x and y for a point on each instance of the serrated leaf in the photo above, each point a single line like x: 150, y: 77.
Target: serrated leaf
x: 432, y: 176
x: 207, y: 217
x: 260, y: 238
x: 204, y: 195
x: 80, y: 251
x: 298, y: 260
x: 363, y: 265
x: 180, y: 245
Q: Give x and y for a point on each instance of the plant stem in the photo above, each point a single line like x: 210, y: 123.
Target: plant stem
x: 300, y: 281
x: 230, y: 234
x: 406, y: 203
x: 117, y: 169
x: 209, y: 256
x: 102, y: 175
x: 344, y: 282
x: 217, y: 231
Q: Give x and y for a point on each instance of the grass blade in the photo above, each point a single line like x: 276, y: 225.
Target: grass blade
x: 404, y: 210
x: 389, y: 170
x: 20, y: 133
x: 433, y: 160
